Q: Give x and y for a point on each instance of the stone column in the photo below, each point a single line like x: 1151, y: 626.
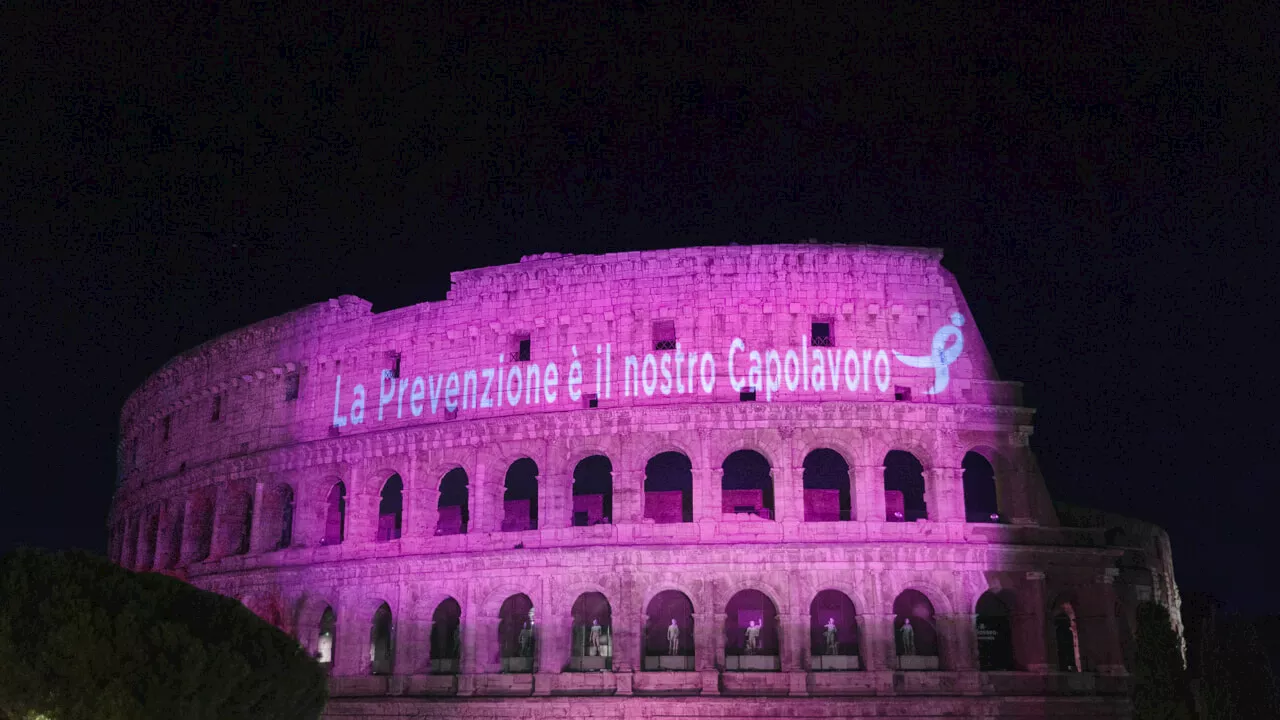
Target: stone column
x: 188, y: 543
x: 869, y: 641
x: 552, y: 641
x: 427, y: 512
x: 555, y: 501
x: 868, y: 492
x: 946, y: 487
x: 1030, y: 648
x: 959, y: 641
x: 704, y: 641
x: 628, y: 496
x: 792, y: 628
x: 706, y: 494
x: 790, y: 501
x: 362, y: 517
x: 886, y: 643
x: 471, y: 663
x: 258, y: 523
x: 1099, y: 634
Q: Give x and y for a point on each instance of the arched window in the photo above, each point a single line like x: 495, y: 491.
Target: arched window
x: 201, y: 529
x: 980, y: 504
x: 242, y: 505
x: 382, y: 642
x: 751, y: 632
x: 903, y: 488
x: 390, y: 509
x: 833, y: 632
x: 520, y: 498
x: 176, y: 530
x: 446, y: 637
x: 592, y: 633
x: 668, y: 488
x: 284, y: 513
x: 747, y: 486
x: 324, y: 642
x: 1066, y: 636
x: 335, y: 515
x: 915, y: 632
x: 517, y: 634
x: 593, y: 491
x: 995, y: 632
x: 668, y: 633
x: 151, y: 534
x: 826, y: 487
x: 453, y: 505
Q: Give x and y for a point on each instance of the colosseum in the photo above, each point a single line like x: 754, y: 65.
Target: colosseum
x: 774, y: 481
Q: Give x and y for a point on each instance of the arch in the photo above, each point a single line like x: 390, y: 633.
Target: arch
x: 390, y: 509
x: 728, y: 445
x: 832, y: 616
x: 591, y: 628
x: 454, y: 506
x: 828, y: 495
x: 335, y: 516
x: 747, y: 486
x: 177, y: 529
x: 751, y: 629
x: 1066, y: 636
x: 995, y: 630
x: 520, y: 496
x: 277, y: 517
x: 201, y: 520
x: 446, y: 636
x: 241, y: 512
x: 326, y: 634
x: 593, y: 491
x: 382, y: 641
x: 981, y: 504
x: 150, y: 536
x: 912, y: 609
x: 661, y: 611
x: 668, y: 488
x: 904, y: 488
x: 516, y: 629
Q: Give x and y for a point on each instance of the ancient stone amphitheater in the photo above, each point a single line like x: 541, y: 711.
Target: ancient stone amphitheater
x: 755, y: 482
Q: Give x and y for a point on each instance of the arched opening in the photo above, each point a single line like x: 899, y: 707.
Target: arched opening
x: 995, y: 632
x: 517, y: 634
x: 980, y: 503
x: 668, y: 632
x: 826, y: 487
x: 324, y: 642
x: 391, y: 509
x: 284, y: 514
x: 592, y: 633
x: 747, y: 486
x: 904, y: 488
x: 382, y: 642
x: 833, y: 632
x: 242, y: 511
x: 915, y: 632
x: 593, y: 491
x: 335, y: 515
x: 201, y: 529
x: 453, y: 505
x: 751, y: 632
x: 520, y: 498
x: 446, y: 637
x: 1066, y: 636
x: 176, y: 531
x: 668, y: 488
x: 151, y: 534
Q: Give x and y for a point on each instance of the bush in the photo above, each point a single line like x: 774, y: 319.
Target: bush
x: 83, y: 638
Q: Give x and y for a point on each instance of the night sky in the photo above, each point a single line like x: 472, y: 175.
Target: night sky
x: 1104, y: 183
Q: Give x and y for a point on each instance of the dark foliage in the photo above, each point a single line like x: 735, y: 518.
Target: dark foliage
x: 83, y: 638
x: 1160, y: 681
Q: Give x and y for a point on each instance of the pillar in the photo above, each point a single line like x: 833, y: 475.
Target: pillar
x: 869, y: 641
x: 704, y: 640
x: 789, y: 498
x: 552, y: 640
x: 259, y: 524
x: 794, y: 631
x: 868, y: 492
x: 1030, y: 626
x: 555, y: 501
x: 958, y: 646
x: 945, y: 491
x: 707, y: 484
x: 886, y: 644
x: 628, y: 496
x: 1099, y: 631
x: 470, y: 664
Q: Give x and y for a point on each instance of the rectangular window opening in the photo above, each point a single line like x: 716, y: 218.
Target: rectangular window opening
x: 291, y: 387
x: 820, y: 334
x: 523, y: 348
x: 902, y: 394
x: 747, y: 395
x: 217, y: 408
x: 591, y: 400
x: 395, y: 365
x: 664, y: 335
x: 168, y: 423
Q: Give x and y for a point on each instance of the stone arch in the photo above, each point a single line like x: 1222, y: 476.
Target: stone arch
x: 747, y: 485
x: 200, y: 519
x: 516, y: 635
x: 279, y: 507
x: 520, y: 495
x: 675, y: 442
x: 446, y: 635
x: 668, y: 488
x: 382, y: 641
x: 774, y: 594
x: 390, y: 509
x: 941, y: 600
x: 981, y: 492
x: 453, y: 506
x: 827, y: 481
x: 592, y: 491
x: 994, y: 621
x: 751, y: 629
x: 906, y: 487
x: 833, y: 626
x: 820, y: 438
x: 662, y: 608
x: 1064, y: 633
x: 731, y: 444
x: 591, y: 630
x: 915, y: 630
x: 334, y: 514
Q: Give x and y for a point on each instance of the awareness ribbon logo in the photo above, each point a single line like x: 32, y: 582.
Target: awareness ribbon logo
x: 940, y: 356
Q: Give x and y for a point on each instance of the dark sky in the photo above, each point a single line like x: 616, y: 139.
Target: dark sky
x: 1104, y: 183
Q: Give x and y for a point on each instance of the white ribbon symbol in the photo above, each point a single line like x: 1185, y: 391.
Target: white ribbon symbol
x: 940, y: 355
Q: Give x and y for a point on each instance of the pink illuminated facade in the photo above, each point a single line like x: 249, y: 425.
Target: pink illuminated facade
x: 770, y: 481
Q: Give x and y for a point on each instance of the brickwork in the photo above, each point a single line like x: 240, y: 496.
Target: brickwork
x: 558, y: 359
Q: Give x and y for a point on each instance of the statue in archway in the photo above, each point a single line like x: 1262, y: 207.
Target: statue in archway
x: 830, y: 637
x: 753, y: 637
x: 908, y: 635
x: 594, y: 639
x: 526, y: 641
x: 673, y: 638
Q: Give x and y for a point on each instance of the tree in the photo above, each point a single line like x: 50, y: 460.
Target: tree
x: 83, y: 638
x: 1160, y: 691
